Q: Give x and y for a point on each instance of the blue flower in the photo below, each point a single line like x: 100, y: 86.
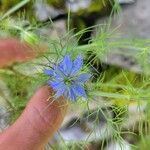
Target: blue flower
x: 66, y: 78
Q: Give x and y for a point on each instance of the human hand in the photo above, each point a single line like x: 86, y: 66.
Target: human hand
x: 40, y: 120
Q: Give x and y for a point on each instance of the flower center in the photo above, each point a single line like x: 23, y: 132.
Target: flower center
x: 67, y: 81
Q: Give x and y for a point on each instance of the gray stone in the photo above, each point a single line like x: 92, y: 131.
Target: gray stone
x: 44, y: 12
x: 122, y: 145
x: 76, y: 5
x: 134, y: 20
x: 4, y: 118
x: 131, y: 23
x: 4, y: 106
x: 126, y: 1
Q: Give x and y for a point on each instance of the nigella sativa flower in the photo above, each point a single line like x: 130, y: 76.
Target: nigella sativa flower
x: 66, y: 79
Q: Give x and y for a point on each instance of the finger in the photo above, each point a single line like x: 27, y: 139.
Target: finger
x: 37, y: 124
x: 13, y: 50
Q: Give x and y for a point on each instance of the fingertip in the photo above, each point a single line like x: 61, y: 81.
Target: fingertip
x: 38, y: 123
x: 13, y: 50
x: 49, y: 109
x: 44, y: 114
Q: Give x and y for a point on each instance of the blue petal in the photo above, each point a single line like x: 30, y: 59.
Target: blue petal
x: 60, y: 91
x: 56, y: 84
x: 67, y: 65
x: 79, y: 90
x: 59, y: 76
x: 72, y: 95
x: 49, y: 72
x: 58, y: 72
x: 77, y: 64
x: 83, y: 78
x: 60, y: 67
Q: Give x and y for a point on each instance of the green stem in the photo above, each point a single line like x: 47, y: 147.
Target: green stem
x: 15, y: 8
x: 117, y: 96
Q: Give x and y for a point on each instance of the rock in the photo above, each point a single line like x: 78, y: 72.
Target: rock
x: 4, y: 106
x: 136, y: 114
x: 76, y: 5
x: 133, y: 21
x: 130, y: 24
x: 122, y: 145
x: 44, y: 11
x: 126, y: 1
x: 4, y: 118
x: 90, y: 126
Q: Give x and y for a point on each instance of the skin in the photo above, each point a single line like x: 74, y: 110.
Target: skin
x: 41, y: 118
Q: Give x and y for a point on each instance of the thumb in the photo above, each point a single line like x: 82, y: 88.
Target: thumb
x: 37, y: 124
x: 14, y: 51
